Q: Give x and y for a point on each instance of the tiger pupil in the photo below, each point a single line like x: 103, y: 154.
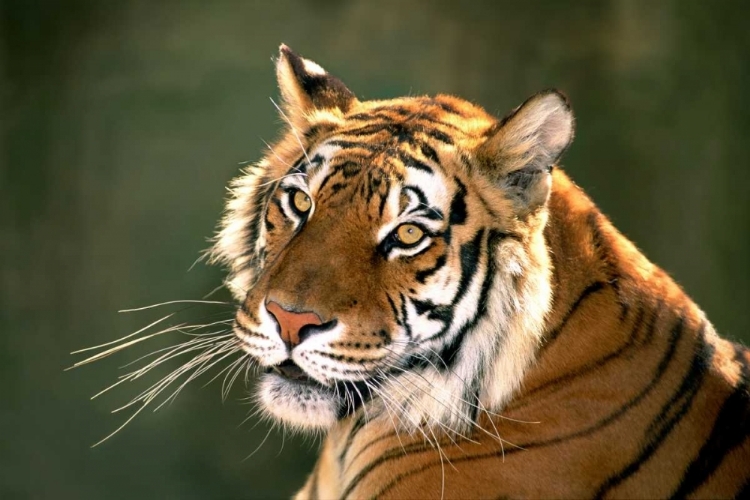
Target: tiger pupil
x: 302, y: 201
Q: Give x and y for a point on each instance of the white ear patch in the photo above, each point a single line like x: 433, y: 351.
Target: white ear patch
x: 313, y: 68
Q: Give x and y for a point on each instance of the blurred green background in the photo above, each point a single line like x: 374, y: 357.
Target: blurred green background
x: 121, y: 123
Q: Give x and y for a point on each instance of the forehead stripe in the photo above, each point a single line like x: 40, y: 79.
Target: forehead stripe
x: 411, y: 162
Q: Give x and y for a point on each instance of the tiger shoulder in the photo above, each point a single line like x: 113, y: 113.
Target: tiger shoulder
x: 423, y: 283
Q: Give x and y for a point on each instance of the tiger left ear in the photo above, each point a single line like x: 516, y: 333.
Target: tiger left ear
x: 520, y: 153
x: 306, y: 87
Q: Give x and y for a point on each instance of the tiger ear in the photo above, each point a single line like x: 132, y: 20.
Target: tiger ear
x: 306, y: 87
x: 520, y: 153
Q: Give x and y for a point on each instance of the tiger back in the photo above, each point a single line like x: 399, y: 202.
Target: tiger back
x: 421, y: 281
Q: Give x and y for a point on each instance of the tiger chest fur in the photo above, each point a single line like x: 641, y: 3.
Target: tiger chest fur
x: 419, y: 280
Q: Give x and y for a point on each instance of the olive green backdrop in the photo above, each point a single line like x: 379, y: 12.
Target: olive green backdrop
x: 121, y: 123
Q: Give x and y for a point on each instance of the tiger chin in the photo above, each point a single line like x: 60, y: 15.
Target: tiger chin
x: 421, y: 282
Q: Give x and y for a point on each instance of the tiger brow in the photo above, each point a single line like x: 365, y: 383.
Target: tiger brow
x: 422, y: 205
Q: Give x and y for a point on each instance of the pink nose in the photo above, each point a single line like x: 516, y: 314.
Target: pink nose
x: 290, y: 323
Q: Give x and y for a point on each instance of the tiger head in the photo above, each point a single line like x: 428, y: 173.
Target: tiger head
x: 390, y: 254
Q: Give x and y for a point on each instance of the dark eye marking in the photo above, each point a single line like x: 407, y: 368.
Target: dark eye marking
x: 426, y: 211
x: 426, y: 273
x: 418, y: 193
x: 458, y: 204
x: 469, y: 254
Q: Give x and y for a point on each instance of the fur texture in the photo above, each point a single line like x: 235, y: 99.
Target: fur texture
x: 521, y: 347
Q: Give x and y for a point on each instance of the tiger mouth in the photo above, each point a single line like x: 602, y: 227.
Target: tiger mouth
x: 291, y: 371
x: 293, y: 394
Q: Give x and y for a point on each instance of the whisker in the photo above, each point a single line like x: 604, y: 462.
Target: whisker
x: 280, y: 178
x: 120, y: 347
x: 261, y: 443
x: 169, y: 302
x: 202, y: 368
x: 152, y: 392
x: 276, y: 155
x: 121, y: 427
x: 179, y: 350
x: 125, y: 337
x: 294, y: 131
x: 128, y: 377
x: 452, y: 372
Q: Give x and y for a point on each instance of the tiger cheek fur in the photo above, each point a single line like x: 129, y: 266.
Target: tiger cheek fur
x: 422, y: 283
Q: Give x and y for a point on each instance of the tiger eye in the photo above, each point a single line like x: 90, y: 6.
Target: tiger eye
x: 409, y: 234
x: 301, y: 201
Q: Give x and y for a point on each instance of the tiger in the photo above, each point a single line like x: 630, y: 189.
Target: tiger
x: 421, y: 282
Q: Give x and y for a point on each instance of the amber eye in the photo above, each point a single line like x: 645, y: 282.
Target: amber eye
x: 409, y: 234
x: 301, y: 201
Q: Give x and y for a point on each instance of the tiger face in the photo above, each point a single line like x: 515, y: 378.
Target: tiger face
x: 389, y: 254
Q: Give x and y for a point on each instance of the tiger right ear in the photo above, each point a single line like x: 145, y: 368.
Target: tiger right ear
x: 520, y: 153
x: 306, y: 87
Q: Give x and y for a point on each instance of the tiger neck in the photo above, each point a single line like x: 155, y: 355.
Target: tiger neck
x: 606, y: 293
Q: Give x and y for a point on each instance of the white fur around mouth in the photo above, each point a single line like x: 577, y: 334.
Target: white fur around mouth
x: 301, y: 403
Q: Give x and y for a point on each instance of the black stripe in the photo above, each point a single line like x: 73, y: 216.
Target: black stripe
x: 438, y: 135
x: 411, y: 162
x: 399, y: 110
x: 369, y: 445
x: 588, y: 291
x: 335, y: 188
x: 263, y: 192
x: 429, y: 152
x: 448, y: 108
x: 469, y: 260
x: 448, y: 354
x: 691, y: 382
x: 604, y: 252
x: 302, y: 163
x: 394, y: 309
x: 326, y: 179
x: 421, y: 198
x: 744, y: 491
x: 347, y: 144
x: 359, y: 117
x: 731, y: 428
x: 384, y: 196
x: 426, y: 273
x: 458, y: 211
x: 357, y: 426
x: 664, y: 423
x: 389, y: 455
x: 435, y: 312
x: 348, y: 169
x: 417, y: 119
x: 567, y: 378
x: 406, y: 325
x: 270, y: 226
x: 371, y: 128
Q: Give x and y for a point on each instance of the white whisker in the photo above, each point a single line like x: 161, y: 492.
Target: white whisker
x: 294, y: 131
x: 170, y: 302
x: 125, y: 337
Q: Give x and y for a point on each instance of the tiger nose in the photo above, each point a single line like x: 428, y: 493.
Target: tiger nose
x: 292, y: 323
